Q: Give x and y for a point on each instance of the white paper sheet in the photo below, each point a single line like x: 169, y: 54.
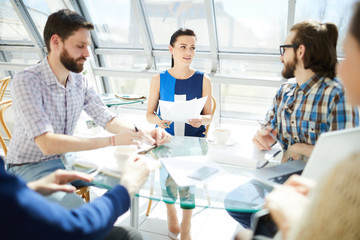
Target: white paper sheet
x: 182, y: 111
x: 180, y: 167
x: 105, y: 160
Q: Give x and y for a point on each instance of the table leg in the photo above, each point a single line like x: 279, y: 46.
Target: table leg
x: 134, y: 212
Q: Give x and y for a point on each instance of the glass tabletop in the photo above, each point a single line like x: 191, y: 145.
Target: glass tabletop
x: 230, y: 190
x: 111, y: 99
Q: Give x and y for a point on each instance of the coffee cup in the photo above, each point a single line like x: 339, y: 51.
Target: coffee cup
x: 221, y: 135
x: 123, y: 154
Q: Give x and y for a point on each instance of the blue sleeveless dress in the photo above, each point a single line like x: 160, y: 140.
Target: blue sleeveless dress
x: 191, y: 87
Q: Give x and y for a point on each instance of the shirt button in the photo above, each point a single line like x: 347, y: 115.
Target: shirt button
x: 292, y: 122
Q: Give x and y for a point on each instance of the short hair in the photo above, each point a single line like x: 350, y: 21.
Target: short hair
x: 320, y: 41
x: 354, y: 29
x: 178, y: 33
x: 63, y: 23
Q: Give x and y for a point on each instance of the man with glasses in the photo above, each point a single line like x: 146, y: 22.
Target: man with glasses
x: 311, y: 103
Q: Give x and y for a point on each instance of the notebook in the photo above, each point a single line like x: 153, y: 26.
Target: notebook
x: 329, y: 150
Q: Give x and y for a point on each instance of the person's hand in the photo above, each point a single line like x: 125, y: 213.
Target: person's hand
x: 132, y: 137
x: 196, y: 122
x: 262, y: 138
x: 57, y: 181
x: 160, y: 136
x: 300, y: 184
x: 162, y: 123
x: 286, y: 207
x: 297, y: 151
x: 134, y: 175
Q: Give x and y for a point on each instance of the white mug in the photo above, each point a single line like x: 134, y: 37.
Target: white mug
x: 221, y: 135
x: 123, y: 154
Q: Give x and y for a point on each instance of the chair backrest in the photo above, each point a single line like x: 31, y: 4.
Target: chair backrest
x: 3, y: 84
x: 3, y: 106
x: 213, y: 105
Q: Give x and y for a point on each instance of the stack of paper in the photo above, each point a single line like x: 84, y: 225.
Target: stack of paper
x: 104, y: 159
x: 182, y: 111
x: 243, y: 155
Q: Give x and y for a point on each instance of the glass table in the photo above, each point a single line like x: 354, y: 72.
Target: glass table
x: 110, y: 100
x: 213, y: 194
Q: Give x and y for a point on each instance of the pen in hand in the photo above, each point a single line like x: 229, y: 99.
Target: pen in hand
x: 160, y: 118
x: 272, y: 135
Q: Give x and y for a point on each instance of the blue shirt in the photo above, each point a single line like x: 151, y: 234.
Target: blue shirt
x: 302, y: 113
x: 26, y: 214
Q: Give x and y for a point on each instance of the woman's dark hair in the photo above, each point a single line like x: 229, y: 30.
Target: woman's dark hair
x: 320, y: 41
x: 354, y: 29
x: 178, y: 33
x: 63, y: 23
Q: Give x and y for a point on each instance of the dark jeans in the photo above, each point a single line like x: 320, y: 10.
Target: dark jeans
x: 243, y: 218
x: 124, y: 233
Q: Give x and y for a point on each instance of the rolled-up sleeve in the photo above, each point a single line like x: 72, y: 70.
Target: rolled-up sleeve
x: 95, y: 108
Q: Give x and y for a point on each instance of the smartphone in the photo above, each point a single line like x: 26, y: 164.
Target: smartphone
x: 263, y: 224
x: 203, y: 172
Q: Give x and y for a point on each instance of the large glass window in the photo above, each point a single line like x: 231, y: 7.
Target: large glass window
x: 246, y: 102
x: 125, y: 62
x: 165, y: 17
x: 39, y: 11
x: 24, y: 57
x: 251, y: 67
x: 257, y: 26
x: 115, y: 23
x: 338, y: 12
x: 12, y: 30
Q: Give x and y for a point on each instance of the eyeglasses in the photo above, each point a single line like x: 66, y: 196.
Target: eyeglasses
x: 282, y: 48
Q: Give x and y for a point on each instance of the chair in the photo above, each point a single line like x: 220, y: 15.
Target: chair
x: 213, y: 108
x: 3, y: 106
x: 3, y: 84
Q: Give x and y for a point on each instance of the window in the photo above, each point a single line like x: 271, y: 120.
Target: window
x: 257, y: 26
x: 165, y: 17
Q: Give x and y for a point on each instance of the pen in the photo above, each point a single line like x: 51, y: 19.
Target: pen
x: 136, y: 129
x: 272, y: 135
x: 160, y: 118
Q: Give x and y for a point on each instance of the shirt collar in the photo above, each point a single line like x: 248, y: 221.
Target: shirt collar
x: 50, y: 78
x: 311, y: 83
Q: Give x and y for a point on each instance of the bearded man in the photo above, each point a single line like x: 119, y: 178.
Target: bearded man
x: 48, y: 99
x: 308, y: 105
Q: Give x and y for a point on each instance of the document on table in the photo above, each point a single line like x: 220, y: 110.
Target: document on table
x: 180, y: 168
x: 105, y: 160
x: 182, y: 111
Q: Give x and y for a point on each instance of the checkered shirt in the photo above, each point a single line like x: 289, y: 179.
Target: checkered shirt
x: 302, y: 113
x: 42, y: 104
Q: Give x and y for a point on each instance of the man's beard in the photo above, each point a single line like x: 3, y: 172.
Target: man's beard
x: 71, y: 63
x: 289, y: 69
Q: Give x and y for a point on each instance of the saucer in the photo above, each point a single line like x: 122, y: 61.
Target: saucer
x: 230, y: 142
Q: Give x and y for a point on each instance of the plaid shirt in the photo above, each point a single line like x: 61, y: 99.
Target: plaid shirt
x: 41, y: 104
x: 302, y: 113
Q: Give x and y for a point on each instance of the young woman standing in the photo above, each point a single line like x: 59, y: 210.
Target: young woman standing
x: 180, y: 83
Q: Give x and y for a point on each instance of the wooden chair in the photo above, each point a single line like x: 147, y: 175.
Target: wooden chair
x: 3, y: 84
x: 3, y: 106
x: 213, y: 108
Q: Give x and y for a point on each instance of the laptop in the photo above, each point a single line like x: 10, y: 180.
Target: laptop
x: 330, y: 149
